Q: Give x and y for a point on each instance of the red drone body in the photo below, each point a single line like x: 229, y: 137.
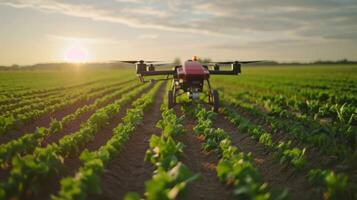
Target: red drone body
x: 192, y: 70
x: 191, y: 76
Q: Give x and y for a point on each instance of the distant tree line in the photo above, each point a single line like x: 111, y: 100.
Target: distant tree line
x: 342, y: 61
x: 176, y: 61
x: 318, y: 62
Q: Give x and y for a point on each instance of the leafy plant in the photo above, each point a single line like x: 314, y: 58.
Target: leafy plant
x: 164, y: 152
x: 167, y: 185
x: 335, y: 185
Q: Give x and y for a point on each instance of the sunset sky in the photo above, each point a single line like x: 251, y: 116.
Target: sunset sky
x: 34, y: 31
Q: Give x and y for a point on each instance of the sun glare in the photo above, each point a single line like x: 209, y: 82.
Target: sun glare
x: 76, y: 54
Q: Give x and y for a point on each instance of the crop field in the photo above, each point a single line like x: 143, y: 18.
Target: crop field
x: 282, y: 132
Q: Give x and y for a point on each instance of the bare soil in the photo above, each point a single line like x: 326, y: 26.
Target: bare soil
x: 45, y: 119
x: 72, y: 163
x: 208, y: 186
x: 74, y: 125
x: 316, y: 158
x: 128, y: 171
x: 276, y: 175
x: 70, y: 128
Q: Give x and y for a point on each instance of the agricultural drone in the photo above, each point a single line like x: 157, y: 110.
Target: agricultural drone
x: 188, y: 78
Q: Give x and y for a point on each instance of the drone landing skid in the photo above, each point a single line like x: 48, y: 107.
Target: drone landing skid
x: 213, y: 97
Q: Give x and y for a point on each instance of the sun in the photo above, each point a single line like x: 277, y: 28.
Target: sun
x: 76, y: 53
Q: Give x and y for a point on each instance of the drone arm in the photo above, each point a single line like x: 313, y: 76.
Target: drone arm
x: 154, y: 73
x: 218, y: 72
x: 235, y: 70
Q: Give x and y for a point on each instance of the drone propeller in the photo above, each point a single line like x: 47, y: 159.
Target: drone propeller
x: 241, y: 62
x: 251, y: 61
x: 138, y: 61
x: 128, y: 61
x: 163, y: 65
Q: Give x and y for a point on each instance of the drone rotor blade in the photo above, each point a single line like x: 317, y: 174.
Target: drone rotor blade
x: 152, y: 61
x: 225, y: 63
x: 136, y: 61
x: 163, y: 65
x: 241, y: 62
x: 220, y: 63
x: 251, y: 61
x: 128, y: 61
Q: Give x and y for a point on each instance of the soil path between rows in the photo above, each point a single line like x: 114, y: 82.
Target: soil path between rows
x: 276, y: 175
x: 315, y: 158
x: 128, y: 171
x: 45, y: 119
x: 72, y: 163
x: 74, y: 125
x: 208, y: 186
x: 70, y: 128
x: 44, y: 94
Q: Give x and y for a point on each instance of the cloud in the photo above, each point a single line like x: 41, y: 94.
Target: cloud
x: 245, y: 19
x: 148, y: 36
x: 85, y: 40
x: 128, y: 1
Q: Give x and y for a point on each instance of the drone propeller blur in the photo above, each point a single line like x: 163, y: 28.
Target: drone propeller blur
x: 240, y: 62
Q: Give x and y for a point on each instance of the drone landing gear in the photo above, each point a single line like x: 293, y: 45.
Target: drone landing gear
x: 213, y: 97
x: 215, y: 100
x: 171, y: 99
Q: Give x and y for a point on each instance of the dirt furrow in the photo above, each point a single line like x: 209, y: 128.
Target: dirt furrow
x: 128, y: 171
x: 74, y: 125
x: 42, y: 94
x: 315, y: 158
x: 72, y: 163
x: 275, y: 174
x: 70, y: 128
x: 208, y: 186
x: 45, y: 120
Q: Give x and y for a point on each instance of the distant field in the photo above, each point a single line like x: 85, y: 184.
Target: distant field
x: 336, y: 81
x: 94, y: 134
x: 46, y: 79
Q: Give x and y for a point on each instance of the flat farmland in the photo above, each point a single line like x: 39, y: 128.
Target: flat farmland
x: 282, y: 132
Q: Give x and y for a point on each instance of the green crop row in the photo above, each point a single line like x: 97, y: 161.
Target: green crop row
x: 13, y: 121
x: 327, y: 138
x: 284, y: 152
x: 318, y: 85
x: 27, y: 104
x: 234, y: 168
x: 87, y: 179
x: 341, y: 126
x: 171, y: 176
x: 13, y: 98
x: 340, y: 114
x: 28, y: 142
x: 49, y: 99
x: 41, y: 105
x: 28, y: 172
x: 331, y: 184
